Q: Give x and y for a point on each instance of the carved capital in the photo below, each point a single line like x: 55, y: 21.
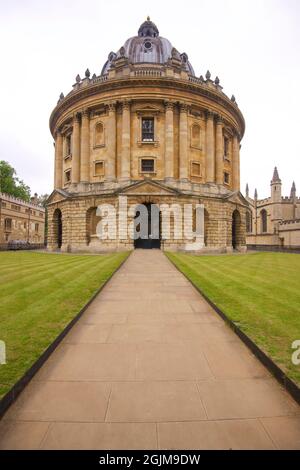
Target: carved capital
x: 57, y: 133
x: 76, y: 118
x: 169, y: 105
x: 112, y: 107
x: 183, y: 107
x: 236, y: 135
x: 219, y: 119
x: 85, y: 113
x: 126, y: 104
x: 209, y: 114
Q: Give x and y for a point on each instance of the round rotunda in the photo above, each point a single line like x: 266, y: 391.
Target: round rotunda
x: 146, y: 128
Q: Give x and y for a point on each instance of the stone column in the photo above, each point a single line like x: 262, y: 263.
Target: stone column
x: 169, y: 140
x: 235, y: 163
x: 85, y: 147
x: 111, y: 143
x: 210, y: 148
x: 219, y: 151
x: 76, y: 150
x: 58, y: 169
x: 183, y: 142
x: 125, y: 161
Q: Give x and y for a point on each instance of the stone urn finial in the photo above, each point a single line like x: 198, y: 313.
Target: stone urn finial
x: 87, y: 73
x: 208, y: 75
x: 78, y: 79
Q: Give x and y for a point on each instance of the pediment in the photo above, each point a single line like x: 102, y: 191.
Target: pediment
x: 237, y: 198
x: 147, y: 110
x: 145, y: 188
x: 57, y: 195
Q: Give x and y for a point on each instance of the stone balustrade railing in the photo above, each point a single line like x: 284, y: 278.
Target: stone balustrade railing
x: 144, y: 72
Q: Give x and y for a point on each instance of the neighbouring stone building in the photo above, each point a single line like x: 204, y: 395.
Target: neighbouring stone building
x: 274, y: 221
x: 21, y: 221
x: 149, y: 129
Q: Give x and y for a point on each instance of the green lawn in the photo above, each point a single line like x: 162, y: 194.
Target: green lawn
x: 39, y: 294
x: 260, y: 292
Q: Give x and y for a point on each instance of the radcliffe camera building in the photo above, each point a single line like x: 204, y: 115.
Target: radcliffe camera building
x: 149, y: 129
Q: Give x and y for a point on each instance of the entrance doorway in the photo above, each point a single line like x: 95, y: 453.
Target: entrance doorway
x: 147, y: 226
x: 236, y: 229
x: 57, y: 227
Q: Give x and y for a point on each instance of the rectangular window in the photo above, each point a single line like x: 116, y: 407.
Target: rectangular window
x: 68, y: 145
x: 3, y: 204
x: 226, y: 148
x: 68, y: 176
x: 99, y: 168
x: 226, y: 178
x: 147, y: 129
x: 8, y: 224
x: 196, y: 169
x: 36, y: 227
x: 147, y: 165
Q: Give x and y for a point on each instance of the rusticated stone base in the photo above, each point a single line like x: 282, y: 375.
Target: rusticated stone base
x: 78, y: 220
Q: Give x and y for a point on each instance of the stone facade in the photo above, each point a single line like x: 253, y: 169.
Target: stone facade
x: 20, y: 220
x: 148, y: 129
x: 274, y: 221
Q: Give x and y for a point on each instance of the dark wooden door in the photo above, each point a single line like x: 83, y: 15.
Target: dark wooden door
x: 153, y: 239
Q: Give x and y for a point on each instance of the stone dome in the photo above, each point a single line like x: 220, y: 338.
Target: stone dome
x: 148, y: 48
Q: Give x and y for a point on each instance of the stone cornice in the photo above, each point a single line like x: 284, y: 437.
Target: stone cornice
x: 217, y: 97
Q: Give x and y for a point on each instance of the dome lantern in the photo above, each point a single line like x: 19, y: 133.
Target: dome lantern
x: 148, y: 29
x: 148, y: 47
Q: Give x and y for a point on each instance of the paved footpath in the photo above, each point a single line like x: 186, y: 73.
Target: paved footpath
x: 150, y: 365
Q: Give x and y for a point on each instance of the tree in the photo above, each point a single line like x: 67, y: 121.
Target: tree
x: 11, y: 184
x: 42, y: 199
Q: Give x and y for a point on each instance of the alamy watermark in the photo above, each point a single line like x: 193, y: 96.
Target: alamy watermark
x: 296, y: 353
x: 2, y: 353
x: 151, y: 221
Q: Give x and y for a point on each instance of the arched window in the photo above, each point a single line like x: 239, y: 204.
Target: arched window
x: 195, y: 135
x: 237, y: 238
x: 248, y: 222
x: 92, y: 220
x: 57, y: 228
x: 264, y: 221
x: 99, y: 134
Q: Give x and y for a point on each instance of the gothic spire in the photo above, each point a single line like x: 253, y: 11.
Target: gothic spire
x: 276, y: 178
x: 247, y: 190
x: 293, y: 191
x: 255, y: 194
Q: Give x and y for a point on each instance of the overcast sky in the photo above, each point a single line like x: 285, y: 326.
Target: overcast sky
x: 253, y: 46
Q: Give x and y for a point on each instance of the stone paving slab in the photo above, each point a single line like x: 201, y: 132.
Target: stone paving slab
x: 150, y: 365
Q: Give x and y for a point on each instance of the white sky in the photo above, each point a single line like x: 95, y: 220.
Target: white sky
x: 253, y: 46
